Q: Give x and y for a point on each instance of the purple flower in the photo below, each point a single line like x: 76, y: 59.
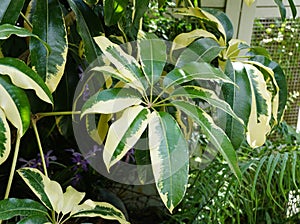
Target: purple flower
x: 78, y: 160
x: 37, y: 162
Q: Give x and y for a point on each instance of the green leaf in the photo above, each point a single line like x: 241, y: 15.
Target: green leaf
x: 113, y: 11
x: 152, y: 53
x: 100, y: 209
x: 124, y: 133
x: 193, y: 71
x: 48, y: 24
x: 140, y: 8
x: 202, y: 50
x: 208, y: 95
x: 125, y: 63
x: 34, y: 220
x: 224, y: 21
x: 15, y: 105
x: 293, y: 8
x: 12, y: 207
x: 111, y: 101
x: 239, y: 98
x: 24, y: 77
x: 6, y: 30
x: 215, y: 134
x: 5, y: 141
x: 169, y: 158
x: 10, y: 11
x: 282, y: 9
x: 36, y: 181
x: 92, y: 51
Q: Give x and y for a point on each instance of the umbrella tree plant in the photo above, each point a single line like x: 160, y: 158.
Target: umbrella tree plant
x: 142, y: 93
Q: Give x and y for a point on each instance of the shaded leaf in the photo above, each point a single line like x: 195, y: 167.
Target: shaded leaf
x: 113, y: 11
x: 5, y: 141
x: 10, y: 11
x: 202, y: 50
x: 215, y: 134
x: 48, y: 24
x: 12, y: 207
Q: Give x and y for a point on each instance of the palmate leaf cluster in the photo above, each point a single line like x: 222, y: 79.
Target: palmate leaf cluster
x: 150, y: 88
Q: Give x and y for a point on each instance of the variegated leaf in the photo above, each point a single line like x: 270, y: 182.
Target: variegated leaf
x: 261, y: 108
x: 194, y: 71
x: 185, y: 39
x: 10, y: 11
x: 100, y: 209
x: 215, y: 134
x: 202, y: 50
x: 15, y: 105
x: 239, y: 98
x: 6, y: 30
x: 152, y: 54
x: 124, y: 133
x: 5, y: 141
x: 125, y: 63
x: 208, y: 95
x: 169, y: 158
x: 24, y: 77
x: 71, y: 200
x: 48, y: 24
x: 36, y: 181
x: 111, y: 101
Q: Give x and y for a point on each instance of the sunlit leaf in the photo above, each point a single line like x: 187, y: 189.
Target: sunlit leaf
x: 169, y: 158
x: 124, y: 133
x: 14, y: 103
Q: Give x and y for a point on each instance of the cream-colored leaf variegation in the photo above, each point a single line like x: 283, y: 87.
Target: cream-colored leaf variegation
x: 122, y: 62
x: 100, y: 209
x: 275, y: 100
x: 71, y: 199
x: 116, y: 137
x: 5, y: 144
x: 55, y: 194
x: 112, y: 106
x: 23, y: 81
x: 259, y: 124
x: 185, y: 39
x: 11, y: 110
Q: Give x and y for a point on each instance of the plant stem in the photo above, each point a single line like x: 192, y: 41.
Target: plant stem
x: 57, y: 113
x: 26, y: 20
x: 33, y: 120
x: 13, y: 166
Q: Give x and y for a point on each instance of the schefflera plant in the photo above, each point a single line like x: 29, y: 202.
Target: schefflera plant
x: 149, y: 100
x: 56, y: 207
x: 260, y: 92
